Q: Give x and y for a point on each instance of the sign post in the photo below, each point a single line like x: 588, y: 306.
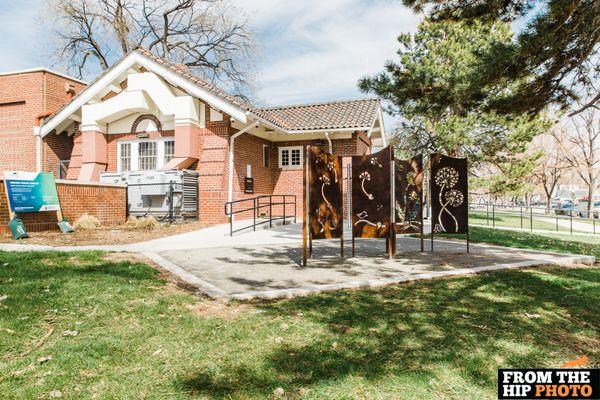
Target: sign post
x: 33, y: 192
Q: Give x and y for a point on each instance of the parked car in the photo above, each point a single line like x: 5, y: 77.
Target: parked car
x: 582, y: 209
x: 565, y: 208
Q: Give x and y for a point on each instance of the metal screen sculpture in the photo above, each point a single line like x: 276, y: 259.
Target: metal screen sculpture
x: 449, y: 196
x: 372, y: 200
x: 409, y: 196
x: 323, y: 199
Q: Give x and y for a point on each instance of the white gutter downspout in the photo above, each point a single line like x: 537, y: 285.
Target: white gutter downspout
x: 329, y: 141
x: 231, y: 144
x: 38, y: 148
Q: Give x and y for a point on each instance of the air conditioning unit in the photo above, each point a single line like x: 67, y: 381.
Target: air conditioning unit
x: 151, y: 192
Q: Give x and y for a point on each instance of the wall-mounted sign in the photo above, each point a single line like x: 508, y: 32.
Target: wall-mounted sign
x: 31, y: 191
x: 248, y: 185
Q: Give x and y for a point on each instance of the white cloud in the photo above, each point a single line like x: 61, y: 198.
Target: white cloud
x: 317, y: 50
x: 309, y: 50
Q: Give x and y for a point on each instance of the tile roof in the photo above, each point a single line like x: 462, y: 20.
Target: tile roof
x: 349, y: 114
x: 332, y: 115
x: 194, y: 79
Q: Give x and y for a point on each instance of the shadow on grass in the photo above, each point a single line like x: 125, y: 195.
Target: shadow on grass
x: 471, y: 325
x: 44, y: 280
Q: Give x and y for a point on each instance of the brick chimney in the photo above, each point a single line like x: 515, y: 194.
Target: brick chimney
x: 70, y: 89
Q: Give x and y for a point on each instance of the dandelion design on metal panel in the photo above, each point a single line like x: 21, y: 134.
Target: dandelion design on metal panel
x: 449, y: 194
x: 371, y: 203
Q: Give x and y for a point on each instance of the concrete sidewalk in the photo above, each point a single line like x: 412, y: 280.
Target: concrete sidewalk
x: 212, y: 237
x: 273, y: 271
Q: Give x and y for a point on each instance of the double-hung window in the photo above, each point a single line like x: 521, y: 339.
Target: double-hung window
x: 145, y: 154
x: 290, y: 157
x: 169, y: 150
x: 125, y: 158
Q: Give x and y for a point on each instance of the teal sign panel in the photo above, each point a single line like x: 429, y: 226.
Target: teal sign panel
x: 31, y: 191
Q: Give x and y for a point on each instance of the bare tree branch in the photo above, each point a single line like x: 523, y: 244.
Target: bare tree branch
x: 209, y: 36
x: 581, y: 148
x: 592, y: 103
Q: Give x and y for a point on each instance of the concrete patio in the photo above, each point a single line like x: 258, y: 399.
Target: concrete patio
x: 268, y: 264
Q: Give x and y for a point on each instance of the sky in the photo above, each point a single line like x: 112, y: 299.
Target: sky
x: 308, y: 50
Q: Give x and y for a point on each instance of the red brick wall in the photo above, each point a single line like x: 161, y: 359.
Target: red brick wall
x: 213, y: 167
x: 22, y: 98
x: 76, y: 158
x: 56, y: 148
x: 106, y: 202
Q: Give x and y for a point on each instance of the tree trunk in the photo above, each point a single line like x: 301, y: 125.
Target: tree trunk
x: 591, y: 196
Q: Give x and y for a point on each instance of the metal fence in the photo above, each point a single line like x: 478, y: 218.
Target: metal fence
x: 562, y: 220
x: 165, y: 201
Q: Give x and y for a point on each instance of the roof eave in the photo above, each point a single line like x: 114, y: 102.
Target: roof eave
x: 331, y: 130
x: 121, y: 67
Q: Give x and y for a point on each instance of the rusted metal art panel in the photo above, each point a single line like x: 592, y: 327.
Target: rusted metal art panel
x: 325, y: 204
x: 371, y: 191
x: 449, y: 194
x: 409, y: 195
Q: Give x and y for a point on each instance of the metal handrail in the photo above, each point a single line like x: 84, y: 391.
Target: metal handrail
x: 257, y: 206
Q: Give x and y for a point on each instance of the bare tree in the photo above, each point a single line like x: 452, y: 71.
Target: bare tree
x: 552, y: 165
x: 211, y: 37
x: 581, y: 147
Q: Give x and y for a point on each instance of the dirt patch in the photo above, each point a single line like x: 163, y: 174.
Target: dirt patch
x: 114, y: 235
x: 227, y: 311
x: 131, y: 258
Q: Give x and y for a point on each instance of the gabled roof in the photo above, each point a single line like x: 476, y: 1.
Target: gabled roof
x: 195, y: 86
x: 193, y: 78
x: 300, y: 118
x: 348, y: 114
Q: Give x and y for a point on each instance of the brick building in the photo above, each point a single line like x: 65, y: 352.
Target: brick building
x: 146, y: 114
x: 25, y: 98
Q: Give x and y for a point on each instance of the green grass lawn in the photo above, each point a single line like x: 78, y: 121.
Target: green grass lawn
x: 540, y: 221
x: 140, y: 337
x: 576, y: 244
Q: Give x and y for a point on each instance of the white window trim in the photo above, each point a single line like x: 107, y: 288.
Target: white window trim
x: 290, y: 148
x: 135, y: 165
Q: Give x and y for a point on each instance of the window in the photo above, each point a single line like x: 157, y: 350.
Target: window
x: 125, y: 157
x: 147, y: 155
x: 290, y: 157
x: 144, y: 154
x: 265, y: 155
x: 169, y: 150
